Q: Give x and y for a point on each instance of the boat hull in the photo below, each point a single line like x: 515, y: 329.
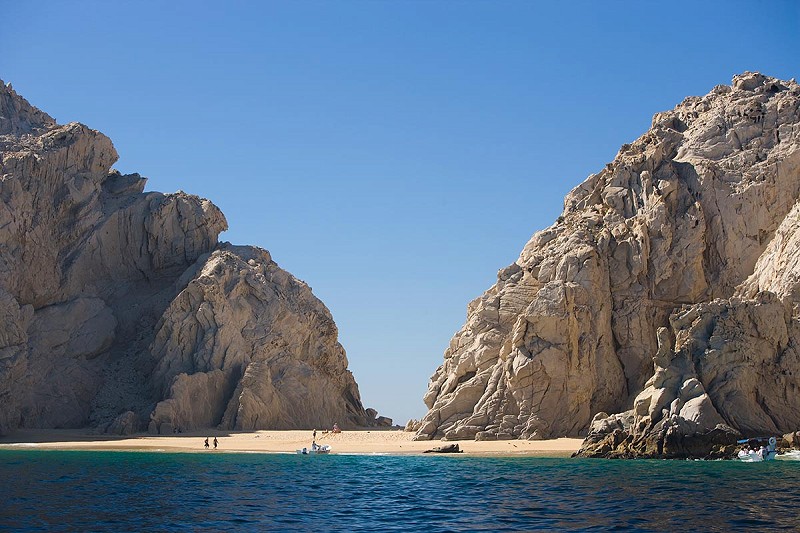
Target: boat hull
x: 321, y: 450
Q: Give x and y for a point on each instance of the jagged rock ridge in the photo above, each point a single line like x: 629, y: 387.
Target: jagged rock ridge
x: 614, y: 307
x: 120, y: 309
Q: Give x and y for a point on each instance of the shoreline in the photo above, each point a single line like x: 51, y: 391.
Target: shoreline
x: 363, y: 442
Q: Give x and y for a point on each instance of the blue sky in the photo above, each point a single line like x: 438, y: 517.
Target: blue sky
x: 393, y: 155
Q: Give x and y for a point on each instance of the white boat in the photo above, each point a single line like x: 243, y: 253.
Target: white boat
x: 758, y: 453
x: 315, y: 450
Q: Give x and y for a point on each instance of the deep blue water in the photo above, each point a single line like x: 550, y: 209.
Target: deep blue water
x: 143, y: 491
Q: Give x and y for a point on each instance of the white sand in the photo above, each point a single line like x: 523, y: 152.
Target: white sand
x: 363, y: 442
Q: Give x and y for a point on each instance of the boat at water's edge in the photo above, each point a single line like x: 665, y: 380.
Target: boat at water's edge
x: 315, y: 450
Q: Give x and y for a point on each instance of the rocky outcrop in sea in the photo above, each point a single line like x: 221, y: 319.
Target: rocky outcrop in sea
x: 120, y: 310
x: 658, y: 315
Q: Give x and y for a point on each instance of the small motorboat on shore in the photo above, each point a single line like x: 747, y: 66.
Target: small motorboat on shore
x: 757, y: 449
x: 315, y: 449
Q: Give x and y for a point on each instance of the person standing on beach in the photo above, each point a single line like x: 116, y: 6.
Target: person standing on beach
x: 314, y: 435
x: 206, y: 443
x: 215, y: 443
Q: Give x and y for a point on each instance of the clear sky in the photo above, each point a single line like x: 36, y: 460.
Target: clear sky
x: 393, y: 155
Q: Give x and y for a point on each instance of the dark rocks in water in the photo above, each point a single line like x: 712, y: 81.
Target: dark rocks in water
x: 668, y: 442
x: 449, y: 448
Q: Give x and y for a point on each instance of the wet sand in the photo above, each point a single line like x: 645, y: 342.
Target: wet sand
x: 389, y: 441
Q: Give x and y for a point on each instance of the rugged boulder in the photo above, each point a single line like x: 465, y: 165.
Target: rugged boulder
x: 119, y: 308
x: 723, y: 368
x: 643, y: 265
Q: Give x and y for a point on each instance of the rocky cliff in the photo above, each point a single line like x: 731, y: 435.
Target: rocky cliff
x: 120, y: 310
x: 665, y: 293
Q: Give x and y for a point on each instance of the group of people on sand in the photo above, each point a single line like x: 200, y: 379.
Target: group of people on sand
x: 314, y: 444
x: 335, y: 429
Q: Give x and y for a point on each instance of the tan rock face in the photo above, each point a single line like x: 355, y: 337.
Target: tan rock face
x: 119, y: 308
x: 723, y: 367
x: 247, y: 346
x: 778, y: 268
x: 683, y: 215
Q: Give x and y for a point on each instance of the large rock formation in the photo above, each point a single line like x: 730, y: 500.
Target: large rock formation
x: 629, y: 302
x: 119, y: 309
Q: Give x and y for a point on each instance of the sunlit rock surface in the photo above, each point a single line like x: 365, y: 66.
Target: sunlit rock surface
x: 121, y: 311
x: 609, y: 309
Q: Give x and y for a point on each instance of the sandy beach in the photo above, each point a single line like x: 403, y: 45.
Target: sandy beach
x: 390, y: 441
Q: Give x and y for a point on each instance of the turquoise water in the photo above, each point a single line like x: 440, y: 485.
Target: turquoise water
x: 130, y: 491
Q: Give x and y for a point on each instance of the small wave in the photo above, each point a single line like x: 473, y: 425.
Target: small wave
x: 363, y: 454
x: 793, y: 455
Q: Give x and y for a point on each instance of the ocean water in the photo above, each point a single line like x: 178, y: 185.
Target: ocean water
x: 151, y: 491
